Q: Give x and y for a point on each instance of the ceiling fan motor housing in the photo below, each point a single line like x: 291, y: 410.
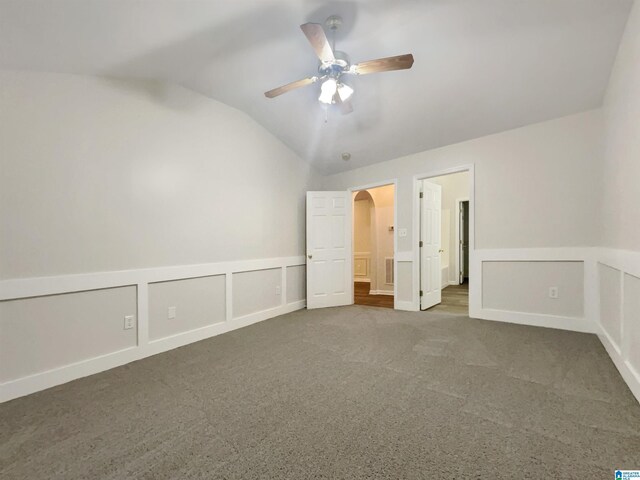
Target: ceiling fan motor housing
x: 337, y: 67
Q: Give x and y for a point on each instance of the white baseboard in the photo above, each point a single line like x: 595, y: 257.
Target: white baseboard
x: 626, y: 263
x: 58, y: 376
x: 34, y: 287
x: 363, y: 280
x: 536, y: 319
x: 628, y: 373
x: 404, y: 305
x: 380, y: 292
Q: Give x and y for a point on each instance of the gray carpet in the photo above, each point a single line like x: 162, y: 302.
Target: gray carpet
x: 353, y: 392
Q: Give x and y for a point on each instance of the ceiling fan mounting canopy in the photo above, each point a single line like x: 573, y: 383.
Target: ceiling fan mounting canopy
x: 334, y: 64
x: 333, y: 22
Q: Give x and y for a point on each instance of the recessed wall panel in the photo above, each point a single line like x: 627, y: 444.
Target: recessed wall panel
x: 296, y: 283
x: 610, y: 301
x: 43, y: 333
x: 523, y: 286
x: 256, y: 291
x: 198, y: 302
x: 631, y: 328
x: 404, y: 281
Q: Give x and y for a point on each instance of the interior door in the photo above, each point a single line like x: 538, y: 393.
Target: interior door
x: 430, y: 225
x: 329, y: 280
x: 461, y: 244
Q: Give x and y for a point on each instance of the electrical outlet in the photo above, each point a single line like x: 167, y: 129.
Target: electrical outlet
x: 129, y: 322
x: 553, y: 292
x: 171, y: 313
x: 402, y: 232
x: 277, y: 289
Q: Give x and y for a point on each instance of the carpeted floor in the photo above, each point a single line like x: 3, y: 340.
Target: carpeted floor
x: 351, y: 392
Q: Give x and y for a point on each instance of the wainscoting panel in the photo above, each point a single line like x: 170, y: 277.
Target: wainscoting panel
x: 57, y: 329
x: 44, y: 333
x: 523, y: 286
x: 631, y: 315
x: 194, y: 303
x: 296, y: 283
x: 255, y: 291
x: 611, y: 302
x: 618, y: 286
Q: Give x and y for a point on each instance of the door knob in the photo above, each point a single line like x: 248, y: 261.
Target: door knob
x: 309, y: 257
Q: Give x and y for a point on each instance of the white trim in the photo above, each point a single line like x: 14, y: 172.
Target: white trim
x: 627, y: 263
x: 406, y: 256
x: 448, y: 284
x: 586, y: 323
x: 576, y: 324
x: 457, y: 240
x: 40, y: 286
x: 380, y: 292
x: 403, y: 305
x: 142, y: 300
x: 628, y: 373
x: 382, y: 183
x: 33, y: 287
x: 475, y: 280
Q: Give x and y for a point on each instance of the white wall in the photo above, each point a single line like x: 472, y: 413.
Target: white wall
x: 619, y: 261
x: 536, y: 187
x: 621, y: 215
x: 534, y: 180
x: 109, y: 183
x: 102, y: 175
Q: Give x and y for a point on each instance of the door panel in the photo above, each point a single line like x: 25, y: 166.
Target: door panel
x: 328, y: 249
x: 430, y: 270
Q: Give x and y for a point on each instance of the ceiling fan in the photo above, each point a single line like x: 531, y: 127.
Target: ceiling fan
x: 334, y: 64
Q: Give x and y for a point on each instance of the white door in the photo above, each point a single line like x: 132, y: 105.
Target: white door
x: 461, y: 243
x: 430, y: 271
x: 329, y: 249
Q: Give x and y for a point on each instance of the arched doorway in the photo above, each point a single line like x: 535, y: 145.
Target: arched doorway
x: 373, y: 246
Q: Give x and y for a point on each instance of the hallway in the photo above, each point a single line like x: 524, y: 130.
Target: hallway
x: 361, y: 296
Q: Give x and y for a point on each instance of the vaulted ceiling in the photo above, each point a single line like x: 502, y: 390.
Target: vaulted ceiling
x: 481, y: 66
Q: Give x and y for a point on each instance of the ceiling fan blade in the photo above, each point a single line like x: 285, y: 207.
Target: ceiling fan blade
x: 399, y: 62
x: 318, y: 40
x: 290, y: 86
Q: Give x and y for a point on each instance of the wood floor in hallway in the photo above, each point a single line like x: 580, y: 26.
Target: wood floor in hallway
x: 361, y: 296
x: 455, y: 299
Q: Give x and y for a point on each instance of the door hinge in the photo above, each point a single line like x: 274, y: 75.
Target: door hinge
x: 420, y: 292
x: 420, y: 194
x: 420, y: 244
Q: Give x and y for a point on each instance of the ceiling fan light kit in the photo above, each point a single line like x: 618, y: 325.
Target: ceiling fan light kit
x: 334, y: 64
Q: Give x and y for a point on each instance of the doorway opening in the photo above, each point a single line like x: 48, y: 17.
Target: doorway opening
x: 444, y: 243
x: 373, y: 246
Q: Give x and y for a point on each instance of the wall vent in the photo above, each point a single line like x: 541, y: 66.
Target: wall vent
x: 388, y: 269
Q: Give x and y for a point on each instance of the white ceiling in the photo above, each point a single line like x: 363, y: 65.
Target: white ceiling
x: 481, y: 66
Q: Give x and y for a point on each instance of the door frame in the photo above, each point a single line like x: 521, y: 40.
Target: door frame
x: 383, y: 183
x: 458, y: 235
x: 475, y: 298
